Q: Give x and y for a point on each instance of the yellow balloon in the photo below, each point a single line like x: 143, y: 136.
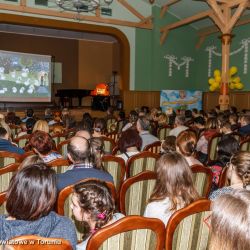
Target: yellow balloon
x: 240, y: 85
x: 218, y: 79
x: 216, y: 85
x: 233, y: 70
x: 231, y: 85
x: 212, y: 88
x: 217, y: 73
x: 236, y: 79
x: 211, y: 81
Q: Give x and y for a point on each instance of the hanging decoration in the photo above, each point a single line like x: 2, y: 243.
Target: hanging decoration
x: 172, y: 60
x: 244, y: 47
x: 234, y: 80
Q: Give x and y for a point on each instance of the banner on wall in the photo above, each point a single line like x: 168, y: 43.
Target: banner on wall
x: 181, y: 99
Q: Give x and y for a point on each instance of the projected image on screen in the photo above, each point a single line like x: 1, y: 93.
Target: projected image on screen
x: 25, y: 77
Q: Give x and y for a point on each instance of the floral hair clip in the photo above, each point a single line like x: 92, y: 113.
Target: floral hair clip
x: 102, y: 215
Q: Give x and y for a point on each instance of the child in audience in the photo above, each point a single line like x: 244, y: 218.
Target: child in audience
x: 93, y: 204
x: 31, y: 198
x: 174, y: 188
x: 186, y: 144
x: 238, y: 174
x: 230, y: 221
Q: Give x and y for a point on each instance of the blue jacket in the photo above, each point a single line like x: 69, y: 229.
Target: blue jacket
x: 77, y: 174
x: 245, y: 130
x: 6, y: 145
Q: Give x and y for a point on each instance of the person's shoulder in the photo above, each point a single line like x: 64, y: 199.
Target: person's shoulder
x: 61, y: 220
x: 217, y: 193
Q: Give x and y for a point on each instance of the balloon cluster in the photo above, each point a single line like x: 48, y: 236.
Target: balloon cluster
x: 234, y: 81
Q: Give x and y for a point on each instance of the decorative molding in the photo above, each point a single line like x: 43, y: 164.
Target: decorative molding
x: 212, y: 50
x: 172, y: 60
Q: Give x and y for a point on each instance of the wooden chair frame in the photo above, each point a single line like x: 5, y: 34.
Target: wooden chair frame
x: 210, y: 145
x: 112, y: 141
x: 195, y: 207
x: 64, y: 193
x: 151, y: 146
x: 120, y: 161
x: 17, y: 139
x: 115, y: 150
x: 163, y: 127
x: 146, y: 175
x: 223, y: 178
x: 9, y: 168
x: 244, y: 141
x: 202, y: 169
x: 60, y: 145
x: 139, y: 156
x: 2, y: 197
x: 17, y: 157
x: 64, y: 244
x: 127, y: 224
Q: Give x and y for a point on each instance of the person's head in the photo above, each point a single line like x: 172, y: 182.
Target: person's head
x: 97, y: 151
x: 29, y: 113
x: 199, y: 122
x: 233, y: 119
x: 41, y: 142
x: 92, y: 202
x: 174, y: 180
x: 4, y: 133
x: 84, y: 133
x: 4, y: 125
x: 48, y: 112
x: 143, y: 124
x: 79, y: 150
x: 179, y: 120
x: 57, y: 129
x: 225, y: 127
x: 195, y: 112
x: 233, y: 110
x: 169, y: 144
x: 32, y: 192
x: 30, y: 124
x: 227, y: 146
x: 110, y: 111
x: 65, y: 112
x: 212, y: 123
x: 239, y: 169
x: 41, y: 125
x: 230, y: 221
x: 188, y: 114
x: 186, y: 143
x: 30, y: 160
x: 133, y: 117
x: 162, y: 119
x: 245, y: 120
x: 99, y: 125
x: 128, y: 139
x: 121, y: 115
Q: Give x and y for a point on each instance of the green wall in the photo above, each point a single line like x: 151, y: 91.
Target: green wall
x: 151, y: 69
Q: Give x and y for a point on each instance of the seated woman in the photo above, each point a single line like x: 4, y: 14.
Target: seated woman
x: 99, y: 127
x: 43, y: 145
x: 169, y: 144
x: 97, y: 150
x: 185, y: 144
x: 93, y: 204
x: 230, y: 221
x: 174, y: 188
x: 129, y: 144
x: 238, y: 175
x: 41, y: 125
x: 30, y: 206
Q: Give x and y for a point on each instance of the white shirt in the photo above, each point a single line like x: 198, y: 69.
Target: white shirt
x: 176, y: 131
x: 125, y: 157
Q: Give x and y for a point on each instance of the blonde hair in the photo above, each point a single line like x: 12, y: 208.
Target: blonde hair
x: 174, y: 180
x: 41, y: 125
x: 230, y: 221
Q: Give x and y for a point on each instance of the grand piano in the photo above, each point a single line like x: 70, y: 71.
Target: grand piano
x: 69, y: 94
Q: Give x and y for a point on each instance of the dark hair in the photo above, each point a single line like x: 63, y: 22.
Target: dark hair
x: 188, y: 113
x: 95, y: 198
x: 129, y: 138
x: 100, y: 125
x: 133, y: 116
x: 29, y: 112
x: 227, y: 146
x: 3, y: 132
x: 42, y: 142
x: 199, y: 120
x: 169, y: 144
x: 32, y: 192
x: 122, y: 115
x: 82, y: 153
x: 30, y: 123
x: 194, y: 110
x: 144, y: 122
x: 97, y: 150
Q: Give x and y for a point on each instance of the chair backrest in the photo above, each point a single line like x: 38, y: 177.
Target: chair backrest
x: 223, y: 181
x: 135, y: 192
x: 154, y: 147
x: 202, y: 178
x: 116, y: 167
x: 7, y: 158
x: 64, y: 201
x: 111, y: 125
x: 59, y: 165
x: 34, y: 242
x: 212, y: 147
x: 109, y: 144
x: 116, y: 151
x: 59, y: 137
x: 187, y: 228
x: 2, y: 203
x: 62, y: 148
x: 163, y: 132
x: 132, y: 232
x: 15, y: 129
x: 245, y: 145
x: 22, y: 140
x: 6, y: 174
x: 141, y: 162
x: 113, y: 135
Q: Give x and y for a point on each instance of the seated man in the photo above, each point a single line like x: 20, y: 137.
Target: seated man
x: 83, y: 167
x: 244, y: 129
x: 6, y: 145
x: 143, y: 125
x: 179, y: 125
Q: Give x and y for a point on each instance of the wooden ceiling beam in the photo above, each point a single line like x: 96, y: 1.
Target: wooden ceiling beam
x: 217, y: 11
x: 187, y: 20
x: 234, y: 3
x: 165, y: 7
